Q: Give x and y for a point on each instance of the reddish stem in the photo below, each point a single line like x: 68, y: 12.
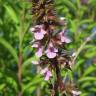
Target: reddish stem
x: 58, y: 86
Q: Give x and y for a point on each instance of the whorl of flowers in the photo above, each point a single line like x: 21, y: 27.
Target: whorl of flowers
x: 49, y: 42
x: 45, y: 43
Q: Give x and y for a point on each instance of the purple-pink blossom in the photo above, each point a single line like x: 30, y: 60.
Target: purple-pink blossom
x: 38, y: 32
x: 39, y: 49
x: 64, y: 38
x: 51, y: 51
x: 47, y: 73
x: 39, y: 52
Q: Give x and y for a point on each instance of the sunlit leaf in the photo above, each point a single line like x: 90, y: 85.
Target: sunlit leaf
x: 87, y: 79
x: 2, y: 86
x: 11, y: 13
x: 89, y: 70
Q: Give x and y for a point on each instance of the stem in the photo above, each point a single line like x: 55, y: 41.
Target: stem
x: 38, y: 91
x: 20, y: 57
x: 58, y: 86
x: 20, y: 72
x: 83, y: 45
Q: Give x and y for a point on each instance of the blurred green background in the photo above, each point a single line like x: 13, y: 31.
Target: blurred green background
x: 15, y: 37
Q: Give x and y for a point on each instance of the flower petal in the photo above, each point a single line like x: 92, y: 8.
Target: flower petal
x: 43, y: 31
x: 55, y: 50
x: 51, y: 55
x: 50, y: 44
x: 65, y: 39
x: 43, y: 71
x: 48, y: 75
x: 39, y: 52
x: 38, y: 36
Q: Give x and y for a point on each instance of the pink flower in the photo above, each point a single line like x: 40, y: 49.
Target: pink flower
x: 39, y: 52
x: 44, y: 70
x: 51, y: 51
x: 47, y: 73
x: 39, y: 49
x: 39, y: 32
x: 38, y: 35
x: 63, y: 37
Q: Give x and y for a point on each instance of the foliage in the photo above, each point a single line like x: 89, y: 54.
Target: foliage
x: 15, y: 21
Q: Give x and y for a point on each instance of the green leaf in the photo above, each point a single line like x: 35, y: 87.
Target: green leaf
x: 78, y: 64
x: 69, y: 4
x: 31, y: 84
x: 2, y: 86
x: 89, y: 70
x: 29, y: 61
x: 82, y: 79
x: 86, y: 84
x: 10, y: 11
x: 84, y: 94
x: 93, y: 89
x: 9, y: 48
x: 84, y: 22
x: 12, y: 82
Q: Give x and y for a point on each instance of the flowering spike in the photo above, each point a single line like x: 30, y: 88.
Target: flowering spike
x: 49, y: 43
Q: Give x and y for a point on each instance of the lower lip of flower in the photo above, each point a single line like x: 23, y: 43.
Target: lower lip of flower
x: 51, y: 55
x: 38, y: 36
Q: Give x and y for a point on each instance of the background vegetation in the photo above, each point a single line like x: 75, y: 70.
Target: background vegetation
x: 15, y: 21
